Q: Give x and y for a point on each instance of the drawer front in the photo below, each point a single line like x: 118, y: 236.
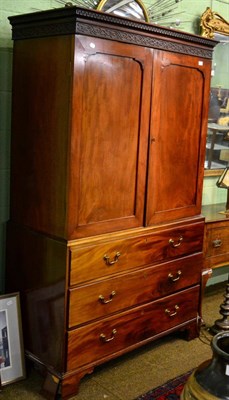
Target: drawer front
x: 99, y: 299
x: 217, y: 241
x: 119, y: 332
x: 117, y: 256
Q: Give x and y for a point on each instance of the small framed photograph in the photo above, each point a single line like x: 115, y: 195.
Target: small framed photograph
x: 12, y: 361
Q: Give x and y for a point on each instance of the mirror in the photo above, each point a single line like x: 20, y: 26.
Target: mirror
x: 217, y: 147
x: 133, y: 9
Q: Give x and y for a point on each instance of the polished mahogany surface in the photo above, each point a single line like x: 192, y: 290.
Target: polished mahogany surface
x: 105, y: 238
x: 177, y: 174
x: 87, y: 261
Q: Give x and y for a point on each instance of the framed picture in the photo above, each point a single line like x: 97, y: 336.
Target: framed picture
x: 12, y: 361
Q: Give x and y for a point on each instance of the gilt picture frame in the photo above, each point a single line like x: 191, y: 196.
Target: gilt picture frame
x: 12, y: 361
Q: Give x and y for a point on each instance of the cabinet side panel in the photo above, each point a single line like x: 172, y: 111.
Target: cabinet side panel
x: 36, y: 267
x: 41, y: 84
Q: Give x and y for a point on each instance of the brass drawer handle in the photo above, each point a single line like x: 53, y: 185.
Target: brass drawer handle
x: 102, y: 298
x: 172, y: 313
x: 104, y: 339
x: 115, y: 260
x: 173, y: 244
x: 217, y: 243
x: 171, y: 277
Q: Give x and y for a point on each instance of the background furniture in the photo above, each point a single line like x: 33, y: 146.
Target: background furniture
x: 216, y: 253
x: 216, y: 238
x: 105, y: 238
x: 214, y: 146
x: 225, y: 110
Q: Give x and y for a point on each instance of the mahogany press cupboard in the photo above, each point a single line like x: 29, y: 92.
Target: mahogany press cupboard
x: 105, y: 236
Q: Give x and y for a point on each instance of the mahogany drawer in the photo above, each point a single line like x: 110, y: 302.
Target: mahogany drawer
x: 217, y: 241
x: 99, y: 299
x: 115, y: 256
x: 121, y: 331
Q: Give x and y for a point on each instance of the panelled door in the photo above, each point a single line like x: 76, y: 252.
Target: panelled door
x: 177, y: 131
x: 110, y: 125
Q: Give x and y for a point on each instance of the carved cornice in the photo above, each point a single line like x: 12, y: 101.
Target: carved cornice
x: 75, y: 20
x: 142, y: 40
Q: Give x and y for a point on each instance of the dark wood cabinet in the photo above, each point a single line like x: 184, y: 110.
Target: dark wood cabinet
x: 105, y: 238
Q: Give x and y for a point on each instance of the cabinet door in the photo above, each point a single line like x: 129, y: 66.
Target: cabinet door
x: 110, y: 119
x: 177, y: 139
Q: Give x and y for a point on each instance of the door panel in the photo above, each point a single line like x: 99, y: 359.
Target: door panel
x: 110, y: 134
x: 112, y: 100
x: 178, y: 126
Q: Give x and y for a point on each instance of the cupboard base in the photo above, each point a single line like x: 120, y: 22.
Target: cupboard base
x: 68, y: 385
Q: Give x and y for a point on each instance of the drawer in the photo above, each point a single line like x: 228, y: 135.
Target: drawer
x: 99, y: 299
x: 217, y: 241
x: 112, y: 257
x: 119, y: 332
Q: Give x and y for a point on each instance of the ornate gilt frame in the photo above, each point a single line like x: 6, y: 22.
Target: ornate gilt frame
x: 212, y: 22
